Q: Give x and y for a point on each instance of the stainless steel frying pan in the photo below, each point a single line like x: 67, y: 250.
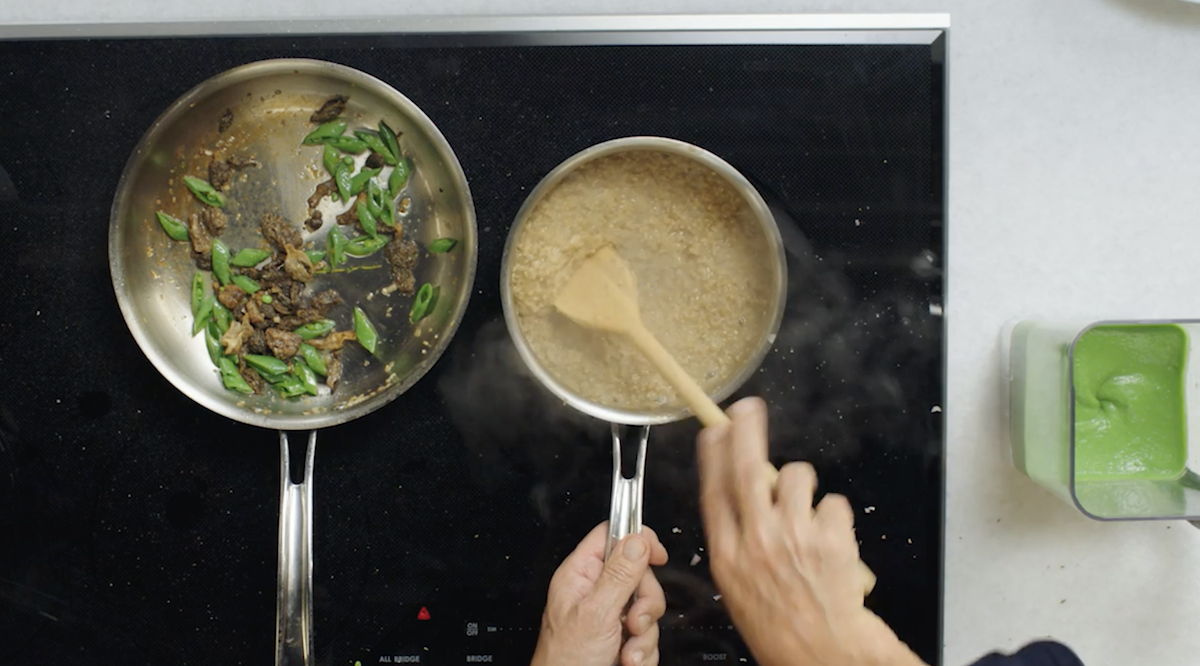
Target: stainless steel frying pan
x: 625, y: 512
x: 271, y: 102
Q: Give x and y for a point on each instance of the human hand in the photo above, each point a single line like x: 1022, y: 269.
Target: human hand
x: 585, y: 607
x: 788, y: 575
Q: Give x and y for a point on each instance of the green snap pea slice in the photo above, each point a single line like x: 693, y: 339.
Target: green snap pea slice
x: 399, y: 177
x: 246, y: 284
x: 174, y: 226
x: 317, y: 329
x: 306, y: 376
x: 220, y: 262
x: 249, y: 257
x: 390, y: 140
x: 377, y: 145
x: 365, y: 331
x: 268, y: 364
x: 203, y: 314
x: 198, y: 291
x: 231, y: 378
x: 312, y: 357
x: 325, y: 132
x: 422, y: 304
x: 365, y: 246
x: 442, y: 245
x: 204, y: 191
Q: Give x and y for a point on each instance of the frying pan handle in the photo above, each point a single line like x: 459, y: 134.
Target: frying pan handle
x: 293, y: 604
x: 625, y: 512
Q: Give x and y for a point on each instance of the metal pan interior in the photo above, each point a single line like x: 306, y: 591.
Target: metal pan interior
x: 271, y: 102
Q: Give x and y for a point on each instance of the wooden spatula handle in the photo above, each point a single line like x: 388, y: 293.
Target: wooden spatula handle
x: 693, y: 396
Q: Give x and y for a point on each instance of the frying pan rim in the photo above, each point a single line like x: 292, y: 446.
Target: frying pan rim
x: 185, y: 383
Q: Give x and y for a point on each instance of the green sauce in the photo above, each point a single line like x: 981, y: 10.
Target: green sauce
x: 1130, y: 416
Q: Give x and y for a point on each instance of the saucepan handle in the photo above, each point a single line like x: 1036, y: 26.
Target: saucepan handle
x: 625, y: 512
x: 293, y: 605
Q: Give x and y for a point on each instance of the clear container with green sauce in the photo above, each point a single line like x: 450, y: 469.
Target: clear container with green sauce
x: 1098, y: 414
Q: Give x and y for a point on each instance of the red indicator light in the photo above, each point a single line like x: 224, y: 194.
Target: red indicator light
x: 424, y: 614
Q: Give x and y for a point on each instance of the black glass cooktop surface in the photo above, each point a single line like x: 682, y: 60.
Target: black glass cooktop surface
x: 136, y: 527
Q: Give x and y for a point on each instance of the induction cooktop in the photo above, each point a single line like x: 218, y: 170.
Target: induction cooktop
x: 136, y: 527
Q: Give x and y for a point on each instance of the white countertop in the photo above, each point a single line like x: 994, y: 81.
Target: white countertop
x: 1075, y: 130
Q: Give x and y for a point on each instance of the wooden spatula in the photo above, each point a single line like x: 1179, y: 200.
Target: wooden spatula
x: 602, y: 295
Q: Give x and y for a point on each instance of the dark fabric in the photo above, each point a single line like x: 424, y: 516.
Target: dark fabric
x: 1041, y: 653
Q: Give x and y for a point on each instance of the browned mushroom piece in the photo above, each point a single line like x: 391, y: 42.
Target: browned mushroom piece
x: 220, y: 174
x: 283, y: 344
x: 333, y: 341
x: 198, y: 234
x: 297, y: 264
x: 332, y: 108
x: 323, y: 190
x: 233, y: 338
x: 279, y: 232
x: 333, y: 371
x: 231, y: 296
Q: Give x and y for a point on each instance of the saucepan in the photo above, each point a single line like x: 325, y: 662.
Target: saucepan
x: 259, y: 113
x: 625, y: 511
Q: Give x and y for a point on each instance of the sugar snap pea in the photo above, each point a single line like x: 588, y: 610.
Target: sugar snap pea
x: 343, y: 178
x: 324, y: 133
x: 399, y: 177
x: 390, y: 140
x: 367, y: 220
x: 204, y: 314
x: 220, y: 262
x: 422, y: 304
x: 212, y: 342
x: 306, y: 376
x: 316, y: 329
x: 231, y: 378
x: 222, y: 317
x: 365, y: 331
x: 331, y: 158
x: 442, y: 245
x: 375, y: 200
x: 313, y: 358
x: 204, y: 191
x: 269, y: 377
x: 377, y: 145
x: 346, y: 144
x: 174, y: 227
x: 365, y: 246
x: 249, y: 257
x: 268, y: 364
x: 288, y: 385
x: 198, y: 292
x: 335, y: 243
x: 246, y: 284
x: 315, y: 255
x: 359, y: 182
